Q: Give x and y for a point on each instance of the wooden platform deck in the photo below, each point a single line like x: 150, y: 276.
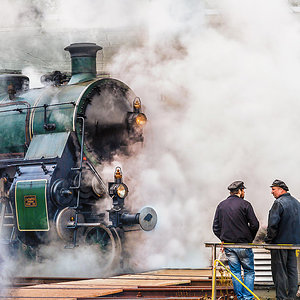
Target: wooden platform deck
x: 116, y: 285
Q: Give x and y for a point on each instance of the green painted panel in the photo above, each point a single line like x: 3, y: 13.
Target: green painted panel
x: 62, y: 115
x: 31, y: 205
x: 47, y: 145
x: 12, y: 129
x: 13, y: 123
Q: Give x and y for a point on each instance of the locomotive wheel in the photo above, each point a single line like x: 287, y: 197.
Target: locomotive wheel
x: 62, y: 219
x: 109, y: 245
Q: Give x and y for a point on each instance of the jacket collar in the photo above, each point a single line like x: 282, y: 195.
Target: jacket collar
x: 285, y: 194
x: 234, y: 197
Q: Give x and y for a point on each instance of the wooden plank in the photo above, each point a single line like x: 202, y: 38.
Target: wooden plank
x: 158, y: 277
x: 44, y: 298
x: 185, y: 272
x: 107, y: 286
x: 70, y: 292
x: 118, y: 282
x: 201, y: 273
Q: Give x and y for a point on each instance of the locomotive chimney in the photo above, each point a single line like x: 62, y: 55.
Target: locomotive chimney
x: 83, y: 56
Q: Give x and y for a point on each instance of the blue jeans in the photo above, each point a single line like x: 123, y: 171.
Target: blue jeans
x: 238, y: 257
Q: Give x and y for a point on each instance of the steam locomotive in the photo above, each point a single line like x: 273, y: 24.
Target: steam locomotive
x: 52, y: 141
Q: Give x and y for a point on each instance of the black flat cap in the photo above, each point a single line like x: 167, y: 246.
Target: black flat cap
x: 280, y: 184
x: 236, y: 185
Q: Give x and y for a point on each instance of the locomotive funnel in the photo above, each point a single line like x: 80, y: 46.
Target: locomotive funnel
x: 83, y: 56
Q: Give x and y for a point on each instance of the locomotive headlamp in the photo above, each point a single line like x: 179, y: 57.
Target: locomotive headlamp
x: 140, y: 119
x: 136, y: 120
x: 118, y: 188
x: 122, y: 190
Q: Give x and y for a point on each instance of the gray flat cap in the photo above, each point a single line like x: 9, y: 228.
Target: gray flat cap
x: 280, y: 183
x: 236, y: 185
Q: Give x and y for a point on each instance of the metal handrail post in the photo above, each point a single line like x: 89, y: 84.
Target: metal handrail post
x: 214, y: 270
x: 214, y: 253
x: 214, y: 285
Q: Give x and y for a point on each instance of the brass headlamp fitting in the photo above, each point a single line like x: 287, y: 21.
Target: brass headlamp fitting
x: 118, y: 173
x: 137, y: 104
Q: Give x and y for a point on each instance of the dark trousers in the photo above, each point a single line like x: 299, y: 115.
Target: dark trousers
x: 284, y: 272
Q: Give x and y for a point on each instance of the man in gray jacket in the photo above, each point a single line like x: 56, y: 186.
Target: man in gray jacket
x: 284, y: 228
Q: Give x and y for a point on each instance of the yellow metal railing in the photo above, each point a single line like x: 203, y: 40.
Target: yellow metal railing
x: 213, y: 296
x: 243, y: 245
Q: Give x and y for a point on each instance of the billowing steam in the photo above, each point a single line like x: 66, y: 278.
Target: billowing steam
x: 223, y: 105
x: 222, y: 102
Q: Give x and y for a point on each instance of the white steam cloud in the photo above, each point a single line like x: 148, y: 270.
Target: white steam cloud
x: 223, y: 105
x: 222, y: 102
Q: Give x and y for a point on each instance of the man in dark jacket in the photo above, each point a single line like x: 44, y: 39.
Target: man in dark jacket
x: 284, y: 228
x: 235, y: 222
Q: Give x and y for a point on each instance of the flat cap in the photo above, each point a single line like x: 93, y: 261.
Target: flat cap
x: 280, y: 184
x: 236, y: 185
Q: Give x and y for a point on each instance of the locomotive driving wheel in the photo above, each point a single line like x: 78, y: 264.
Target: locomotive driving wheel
x: 109, y: 245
